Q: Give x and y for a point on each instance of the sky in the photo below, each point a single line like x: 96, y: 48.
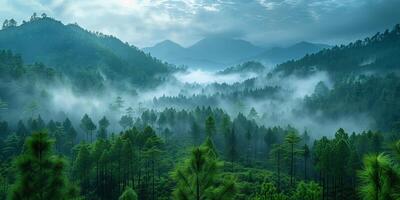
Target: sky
x: 263, y: 22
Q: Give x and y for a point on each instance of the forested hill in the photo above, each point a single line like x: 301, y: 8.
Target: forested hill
x: 72, y: 50
x: 250, y: 66
x: 379, y: 53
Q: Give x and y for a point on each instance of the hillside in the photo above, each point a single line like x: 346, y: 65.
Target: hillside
x: 278, y: 55
x: 217, y: 53
x: 377, y: 54
x: 73, y: 50
x: 247, y: 67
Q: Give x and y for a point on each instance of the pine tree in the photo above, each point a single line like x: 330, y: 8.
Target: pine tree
x: 70, y: 132
x: 198, y: 179
x: 129, y: 194
x: 126, y: 121
x: 269, y: 139
x: 277, y: 155
x: 232, y: 147
x: 210, y: 126
x: 119, y: 103
x: 292, y: 139
x: 40, y: 175
x: 248, y: 149
x: 253, y: 114
x: 103, y: 124
x: 379, y: 179
x: 22, y: 132
x: 307, y: 191
x: 195, y: 132
x: 82, y: 167
x: 306, y: 156
x: 88, y: 126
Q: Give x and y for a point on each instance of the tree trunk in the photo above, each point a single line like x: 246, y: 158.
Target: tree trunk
x: 291, y: 165
x: 279, y: 171
x: 153, y: 184
x: 305, y: 169
x: 197, y: 188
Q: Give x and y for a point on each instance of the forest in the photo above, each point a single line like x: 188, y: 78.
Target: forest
x: 85, y: 116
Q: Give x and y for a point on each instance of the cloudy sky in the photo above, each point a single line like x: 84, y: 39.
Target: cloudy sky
x: 262, y: 22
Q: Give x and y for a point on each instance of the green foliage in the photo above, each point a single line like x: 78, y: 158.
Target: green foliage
x: 103, y: 124
x: 126, y: 121
x: 199, y: 178
x: 250, y: 66
x: 210, y: 126
x: 307, y: 191
x: 129, y: 194
x: 40, y: 174
x: 375, y: 96
x: 81, y: 54
x: 88, y: 126
x: 379, y: 178
x: 376, y: 53
x: 291, y: 140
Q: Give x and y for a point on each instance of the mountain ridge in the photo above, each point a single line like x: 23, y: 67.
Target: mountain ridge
x: 72, y: 49
x: 220, y: 52
x: 378, y: 53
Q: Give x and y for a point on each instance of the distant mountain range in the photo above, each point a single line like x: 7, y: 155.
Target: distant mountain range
x: 277, y: 55
x: 79, y: 53
x: 217, y: 53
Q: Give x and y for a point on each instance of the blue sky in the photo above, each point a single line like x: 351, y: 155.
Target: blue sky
x: 262, y: 22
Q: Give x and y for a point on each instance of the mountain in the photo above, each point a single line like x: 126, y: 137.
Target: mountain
x: 224, y: 50
x: 165, y: 50
x: 210, y: 53
x: 377, y: 54
x: 278, y: 55
x: 217, y: 53
x: 79, y: 53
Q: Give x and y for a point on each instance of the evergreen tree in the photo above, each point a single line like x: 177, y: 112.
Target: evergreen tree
x: 22, y: 132
x: 118, y: 104
x: 232, y: 147
x: 126, y: 121
x: 268, y: 192
x: 103, y: 124
x: 306, y: 156
x: 5, y: 24
x: 88, y: 126
x: 292, y: 139
x: 269, y: 139
x: 82, y: 167
x: 210, y: 126
x: 40, y: 175
x: 195, y: 132
x: 379, y: 179
x: 129, y: 111
x: 129, y: 194
x: 70, y: 133
x: 307, y: 191
x: 277, y: 152
x: 198, y: 178
x: 248, y: 149
x: 12, y: 146
x: 253, y: 114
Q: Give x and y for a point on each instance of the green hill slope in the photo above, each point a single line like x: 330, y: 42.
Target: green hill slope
x: 73, y: 50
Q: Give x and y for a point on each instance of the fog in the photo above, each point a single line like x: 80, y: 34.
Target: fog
x: 284, y: 108
x: 205, y: 77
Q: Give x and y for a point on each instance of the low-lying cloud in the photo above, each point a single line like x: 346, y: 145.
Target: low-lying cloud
x: 205, y: 77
